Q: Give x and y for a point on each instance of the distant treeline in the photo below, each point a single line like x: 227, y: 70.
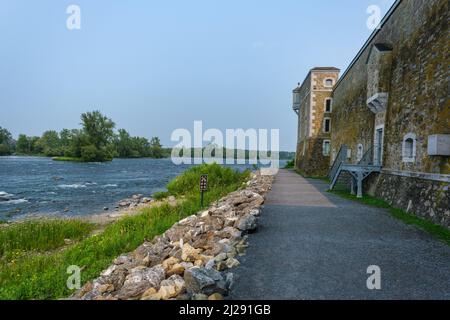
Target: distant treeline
x: 95, y: 141
x: 243, y: 154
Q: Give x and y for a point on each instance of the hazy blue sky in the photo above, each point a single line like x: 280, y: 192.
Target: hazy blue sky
x: 154, y: 66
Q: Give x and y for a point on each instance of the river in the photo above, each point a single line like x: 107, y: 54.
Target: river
x: 35, y: 186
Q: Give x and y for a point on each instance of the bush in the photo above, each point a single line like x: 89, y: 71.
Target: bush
x: 218, y: 177
x: 160, y: 195
x: 290, y: 164
x: 4, y: 150
x: 91, y: 154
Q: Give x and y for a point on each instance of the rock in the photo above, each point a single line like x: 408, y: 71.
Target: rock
x: 151, y: 294
x: 204, y: 214
x: 255, y: 212
x: 215, y: 296
x: 247, y: 223
x: 105, y: 288
x: 220, y: 257
x: 232, y: 263
x: 172, y: 287
x: 200, y: 296
x: 124, y: 204
x: 175, y: 269
x: 139, y: 280
x: 241, y: 248
x: 210, y: 264
x: 137, y: 196
x: 168, y: 263
x: 171, y: 199
x: 146, y: 200
x: 202, y: 280
x: 105, y: 208
x: 189, y: 254
x: 88, y: 287
x: 220, y: 266
x: 68, y: 241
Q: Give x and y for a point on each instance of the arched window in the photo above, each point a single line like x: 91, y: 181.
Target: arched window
x: 409, y: 148
x: 359, y: 152
x: 328, y: 82
x: 328, y: 104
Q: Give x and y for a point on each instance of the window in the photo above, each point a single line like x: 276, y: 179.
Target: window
x: 329, y: 82
x: 359, y: 152
x: 327, y: 125
x: 328, y: 103
x: 409, y: 148
x: 326, y: 147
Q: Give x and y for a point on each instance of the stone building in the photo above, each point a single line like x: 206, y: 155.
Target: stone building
x: 313, y: 104
x: 391, y: 111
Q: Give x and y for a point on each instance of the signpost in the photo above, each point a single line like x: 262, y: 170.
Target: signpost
x: 203, y: 186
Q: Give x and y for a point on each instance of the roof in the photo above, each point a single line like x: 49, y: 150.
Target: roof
x: 299, y: 86
x: 325, y: 69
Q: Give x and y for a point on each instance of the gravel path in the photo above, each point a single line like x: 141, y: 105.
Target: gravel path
x: 315, y: 245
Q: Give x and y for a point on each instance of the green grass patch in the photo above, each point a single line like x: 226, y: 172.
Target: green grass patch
x: 440, y: 232
x: 70, y: 159
x: 44, y: 276
x: 160, y: 195
x: 40, y: 236
x: 290, y: 164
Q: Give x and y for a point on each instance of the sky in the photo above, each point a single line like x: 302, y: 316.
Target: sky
x: 156, y: 66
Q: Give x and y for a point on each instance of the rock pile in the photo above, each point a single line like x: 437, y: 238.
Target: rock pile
x: 133, y: 202
x: 190, y: 260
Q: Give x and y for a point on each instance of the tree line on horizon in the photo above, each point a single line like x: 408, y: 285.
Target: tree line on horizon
x: 95, y: 141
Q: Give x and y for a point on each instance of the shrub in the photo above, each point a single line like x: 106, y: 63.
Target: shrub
x: 218, y: 177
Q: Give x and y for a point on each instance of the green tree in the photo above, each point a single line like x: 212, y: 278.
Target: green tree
x: 23, y: 144
x: 123, y: 144
x: 98, y: 128
x: 50, y: 143
x: 6, y: 142
x: 98, y: 131
x: 156, y: 150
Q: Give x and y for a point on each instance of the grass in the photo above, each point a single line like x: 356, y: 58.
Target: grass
x: 71, y: 159
x: 40, y: 236
x: 437, y: 231
x: 44, y: 276
x: 290, y: 164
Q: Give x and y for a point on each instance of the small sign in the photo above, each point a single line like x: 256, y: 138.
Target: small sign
x: 203, y: 182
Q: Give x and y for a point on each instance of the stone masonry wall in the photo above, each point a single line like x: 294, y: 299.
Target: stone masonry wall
x: 425, y: 198
x: 418, y: 103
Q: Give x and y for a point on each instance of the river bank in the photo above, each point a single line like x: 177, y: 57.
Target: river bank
x: 38, y: 270
x: 191, y: 260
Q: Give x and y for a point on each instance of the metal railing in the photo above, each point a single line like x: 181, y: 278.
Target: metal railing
x: 367, y: 158
x: 340, y: 159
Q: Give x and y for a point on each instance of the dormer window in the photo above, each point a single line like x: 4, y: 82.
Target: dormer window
x: 328, y: 104
x: 329, y: 82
